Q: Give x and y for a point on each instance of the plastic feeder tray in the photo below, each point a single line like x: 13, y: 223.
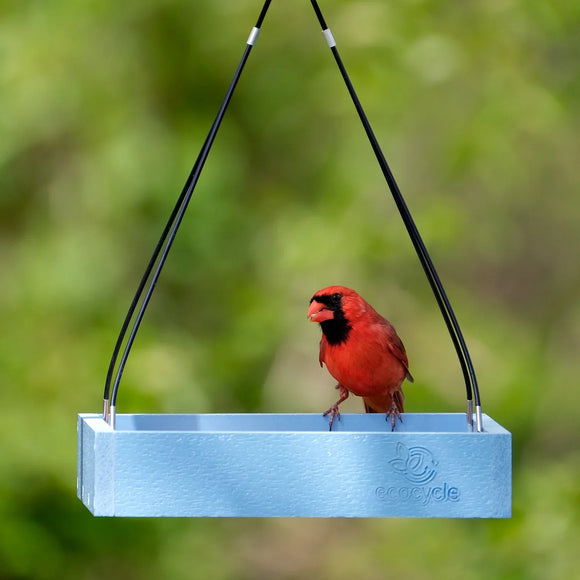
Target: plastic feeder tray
x: 291, y: 465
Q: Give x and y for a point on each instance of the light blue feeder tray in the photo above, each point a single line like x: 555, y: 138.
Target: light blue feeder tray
x: 291, y: 465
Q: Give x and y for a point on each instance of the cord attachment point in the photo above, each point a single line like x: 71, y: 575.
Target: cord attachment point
x: 478, y: 419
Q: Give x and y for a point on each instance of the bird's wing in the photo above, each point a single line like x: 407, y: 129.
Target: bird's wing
x: 322, y: 350
x: 395, y: 345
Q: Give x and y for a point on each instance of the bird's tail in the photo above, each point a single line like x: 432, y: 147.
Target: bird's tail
x: 382, y: 403
x: 368, y: 408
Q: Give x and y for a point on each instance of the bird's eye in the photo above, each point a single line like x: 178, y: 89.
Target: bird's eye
x: 336, y: 297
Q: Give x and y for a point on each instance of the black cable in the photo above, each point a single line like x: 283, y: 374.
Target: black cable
x: 170, y: 231
x: 430, y: 271
x: 144, y: 279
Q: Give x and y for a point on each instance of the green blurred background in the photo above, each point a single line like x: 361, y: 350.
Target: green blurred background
x: 104, y: 107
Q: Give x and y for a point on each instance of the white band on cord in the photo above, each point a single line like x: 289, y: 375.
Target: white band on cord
x: 329, y: 38
x: 253, y: 36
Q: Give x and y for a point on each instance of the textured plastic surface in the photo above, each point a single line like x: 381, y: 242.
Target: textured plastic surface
x: 290, y: 465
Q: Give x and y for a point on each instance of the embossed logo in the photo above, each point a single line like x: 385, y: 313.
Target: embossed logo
x: 416, y: 464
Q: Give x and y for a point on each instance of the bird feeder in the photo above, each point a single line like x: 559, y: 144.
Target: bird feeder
x: 454, y: 465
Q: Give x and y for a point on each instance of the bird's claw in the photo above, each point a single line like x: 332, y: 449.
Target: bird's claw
x: 333, y: 412
x: 392, y: 413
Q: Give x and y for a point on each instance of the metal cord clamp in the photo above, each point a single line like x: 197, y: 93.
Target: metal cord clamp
x: 329, y: 38
x: 253, y: 36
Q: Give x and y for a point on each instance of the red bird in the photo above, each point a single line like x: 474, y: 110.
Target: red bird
x: 361, y: 350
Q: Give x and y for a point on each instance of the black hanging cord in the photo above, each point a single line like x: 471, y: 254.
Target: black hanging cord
x: 161, y: 251
x: 430, y: 271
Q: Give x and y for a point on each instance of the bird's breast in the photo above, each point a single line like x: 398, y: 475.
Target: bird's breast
x: 364, y: 365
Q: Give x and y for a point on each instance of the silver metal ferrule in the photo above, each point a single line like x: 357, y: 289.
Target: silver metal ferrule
x: 253, y: 36
x: 479, y: 419
x: 106, y: 410
x: 329, y: 38
x: 470, y: 413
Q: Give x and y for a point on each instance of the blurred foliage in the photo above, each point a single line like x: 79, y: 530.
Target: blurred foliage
x: 104, y: 108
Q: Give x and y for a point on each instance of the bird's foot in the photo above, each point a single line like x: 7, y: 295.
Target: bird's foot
x: 333, y: 412
x: 393, y: 412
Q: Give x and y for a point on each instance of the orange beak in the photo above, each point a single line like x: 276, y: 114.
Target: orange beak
x: 319, y: 313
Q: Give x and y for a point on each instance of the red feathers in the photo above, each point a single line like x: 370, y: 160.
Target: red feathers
x: 361, y: 350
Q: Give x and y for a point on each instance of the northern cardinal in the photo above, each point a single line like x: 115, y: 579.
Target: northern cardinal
x: 361, y: 350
